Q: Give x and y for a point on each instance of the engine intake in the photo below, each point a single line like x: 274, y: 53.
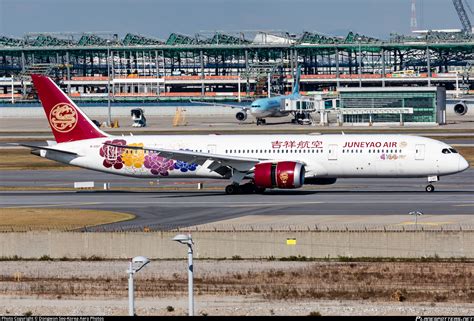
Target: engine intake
x: 285, y: 175
x: 460, y: 108
x: 241, y: 116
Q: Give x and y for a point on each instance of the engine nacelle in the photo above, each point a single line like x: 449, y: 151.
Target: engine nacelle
x: 284, y: 175
x: 320, y: 180
x: 241, y: 116
x: 460, y: 108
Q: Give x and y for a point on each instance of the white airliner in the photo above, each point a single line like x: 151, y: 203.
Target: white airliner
x: 266, y: 161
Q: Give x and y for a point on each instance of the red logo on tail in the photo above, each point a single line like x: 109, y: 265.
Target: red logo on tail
x: 63, y: 117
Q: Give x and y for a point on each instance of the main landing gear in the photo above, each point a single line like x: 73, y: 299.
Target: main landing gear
x: 248, y: 188
x: 261, y: 121
x: 429, y: 188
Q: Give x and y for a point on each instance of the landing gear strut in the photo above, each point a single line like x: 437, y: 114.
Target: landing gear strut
x: 429, y: 188
x: 261, y: 121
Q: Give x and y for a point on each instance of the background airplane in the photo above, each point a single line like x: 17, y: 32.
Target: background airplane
x: 266, y: 161
x: 265, y: 107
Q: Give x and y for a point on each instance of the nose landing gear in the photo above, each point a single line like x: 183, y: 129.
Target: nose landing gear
x: 431, y: 179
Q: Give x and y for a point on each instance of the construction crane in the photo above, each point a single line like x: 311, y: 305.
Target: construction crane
x: 459, y: 6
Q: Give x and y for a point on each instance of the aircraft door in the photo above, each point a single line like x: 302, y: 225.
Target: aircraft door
x: 332, y: 152
x: 420, y: 152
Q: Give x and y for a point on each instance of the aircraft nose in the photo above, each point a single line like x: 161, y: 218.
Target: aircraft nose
x: 255, y: 112
x: 463, y: 164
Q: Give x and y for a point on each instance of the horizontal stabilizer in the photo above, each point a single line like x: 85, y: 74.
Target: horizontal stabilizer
x: 46, y: 148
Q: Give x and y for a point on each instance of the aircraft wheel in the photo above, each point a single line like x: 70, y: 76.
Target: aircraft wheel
x: 429, y: 188
x: 259, y: 190
x: 231, y: 189
x: 248, y: 188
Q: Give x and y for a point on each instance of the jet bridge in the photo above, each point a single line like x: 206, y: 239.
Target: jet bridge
x: 304, y: 107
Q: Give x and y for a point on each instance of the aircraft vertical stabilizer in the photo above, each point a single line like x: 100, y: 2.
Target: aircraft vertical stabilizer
x: 296, y: 85
x: 67, y: 121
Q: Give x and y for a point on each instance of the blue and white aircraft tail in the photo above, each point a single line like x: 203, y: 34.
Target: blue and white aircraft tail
x: 296, y: 85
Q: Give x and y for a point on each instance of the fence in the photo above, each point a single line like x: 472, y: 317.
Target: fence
x: 242, y: 243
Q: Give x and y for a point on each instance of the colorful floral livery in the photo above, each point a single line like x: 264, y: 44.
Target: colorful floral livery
x: 136, y: 159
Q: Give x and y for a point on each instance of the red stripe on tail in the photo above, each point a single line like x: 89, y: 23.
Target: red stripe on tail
x: 67, y: 121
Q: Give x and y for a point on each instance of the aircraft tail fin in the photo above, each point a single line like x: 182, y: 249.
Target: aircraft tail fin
x: 67, y: 121
x: 296, y: 84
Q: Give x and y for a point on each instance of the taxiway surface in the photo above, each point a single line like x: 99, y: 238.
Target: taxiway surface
x: 170, y: 203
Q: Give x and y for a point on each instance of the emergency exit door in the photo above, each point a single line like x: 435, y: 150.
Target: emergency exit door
x: 332, y: 152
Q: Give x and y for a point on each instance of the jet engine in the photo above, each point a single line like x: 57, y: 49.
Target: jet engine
x: 241, y: 116
x: 320, y: 180
x: 284, y: 175
x: 460, y: 108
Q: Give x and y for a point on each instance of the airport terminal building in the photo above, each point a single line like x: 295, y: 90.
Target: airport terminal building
x: 397, y: 105
x: 233, y: 66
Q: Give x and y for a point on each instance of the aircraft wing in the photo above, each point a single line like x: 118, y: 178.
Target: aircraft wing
x: 245, y: 108
x: 219, y: 162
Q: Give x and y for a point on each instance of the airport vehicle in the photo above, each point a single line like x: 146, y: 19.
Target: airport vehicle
x: 267, y: 161
x: 265, y: 107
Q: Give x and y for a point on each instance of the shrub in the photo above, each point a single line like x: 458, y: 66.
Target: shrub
x: 399, y: 296
x: 169, y: 308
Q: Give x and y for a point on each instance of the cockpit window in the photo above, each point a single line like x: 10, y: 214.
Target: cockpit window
x: 445, y: 151
x: 453, y: 151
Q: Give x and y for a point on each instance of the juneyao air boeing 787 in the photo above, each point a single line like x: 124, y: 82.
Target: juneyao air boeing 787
x: 264, y: 161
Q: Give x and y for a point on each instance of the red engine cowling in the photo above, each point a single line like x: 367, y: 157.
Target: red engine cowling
x: 279, y: 175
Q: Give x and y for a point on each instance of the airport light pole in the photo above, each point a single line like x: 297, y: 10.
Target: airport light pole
x: 187, y: 240
x: 268, y: 85
x: 360, y: 62
x: 135, y: 265
x: 416, y: 214
x: 13, y: 90
x: 109, y: 119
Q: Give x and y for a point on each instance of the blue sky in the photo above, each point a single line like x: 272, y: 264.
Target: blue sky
x: 159, y: 18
